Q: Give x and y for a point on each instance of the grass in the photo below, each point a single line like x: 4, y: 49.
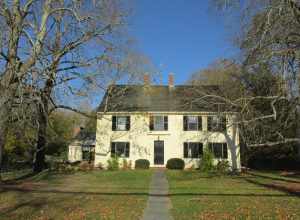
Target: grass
x: 195, y: 195
x: 89, y: 195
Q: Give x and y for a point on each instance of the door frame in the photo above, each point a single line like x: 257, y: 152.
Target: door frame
x: 161, y: 144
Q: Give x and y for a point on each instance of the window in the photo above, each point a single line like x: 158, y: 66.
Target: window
x: 120, y: 123
x: 192, y: 149
x: 192, y: 123
x: 158, y: 123
x: 218, y: 149
x: 216, y: 123
x: 120, y: 149
x: 88, y: 153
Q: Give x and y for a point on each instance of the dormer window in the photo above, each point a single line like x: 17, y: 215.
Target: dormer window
x: 120, y: 123
x: 158, y: 123
x: 192, y: 123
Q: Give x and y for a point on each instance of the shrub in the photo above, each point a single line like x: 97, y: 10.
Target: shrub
x: 142, y: 164
x: 113, y: 163
x: 126, y: 165
x: 99, y: 166
x: 65, y: 168
x: 175, y: 164
x: 85, y: 166
x: 223, y: 166
x: 207, y: 162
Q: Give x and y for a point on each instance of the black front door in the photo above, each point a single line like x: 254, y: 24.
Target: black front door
x: 158, y: 152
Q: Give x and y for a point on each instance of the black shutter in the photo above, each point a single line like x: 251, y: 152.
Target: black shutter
x: 112, y: 149
x: 225, y: 153
x: 185, y: 150
x: 114, y: 123
x: 151, y: 124
x: 185, y: 123
x: 199, y: 123
x: 127, y: 149
x: 166, y: 123
x: 209, y: 121
x: 200, y: 147
x: 210, y: 147
x: 127, y: 123
x: 223, y: 123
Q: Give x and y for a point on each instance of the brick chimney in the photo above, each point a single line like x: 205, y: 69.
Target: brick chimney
x: 146, y: 79
x: 171, y: 80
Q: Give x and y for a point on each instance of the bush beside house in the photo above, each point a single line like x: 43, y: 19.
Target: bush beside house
x: 175, y: 164
x: 142, y: 164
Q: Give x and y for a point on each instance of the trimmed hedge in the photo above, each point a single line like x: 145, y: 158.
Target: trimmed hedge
x: 175, y: 164
x: 142, y: 164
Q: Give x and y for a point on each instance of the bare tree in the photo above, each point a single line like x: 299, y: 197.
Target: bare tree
x: 269, y: 37
x: 50, y: 50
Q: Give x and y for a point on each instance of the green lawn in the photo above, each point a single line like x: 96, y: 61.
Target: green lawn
x: 90, y: 195
x: 202, y: 196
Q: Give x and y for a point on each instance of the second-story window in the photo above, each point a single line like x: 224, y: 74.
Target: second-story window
x: 192, y: 123
x: 216, y: 123
x: 120, y: 123
x: 158, y: 123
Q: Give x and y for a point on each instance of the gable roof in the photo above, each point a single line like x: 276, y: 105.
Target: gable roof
x: 158, y: 98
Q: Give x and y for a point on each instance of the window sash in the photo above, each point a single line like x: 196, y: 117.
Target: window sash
x: 121, y: 123
x: 120, y: 149
x: 158, y: 123
x: 192, y: 122
x: 216, y: 123
x: 219, y: 150
x: 193, y: 150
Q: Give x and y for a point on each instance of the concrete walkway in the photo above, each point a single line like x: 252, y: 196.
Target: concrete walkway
x: 159, y: 204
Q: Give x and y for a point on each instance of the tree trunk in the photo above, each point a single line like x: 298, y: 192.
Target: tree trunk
x: 39, y: 163
x: 298, y: 131
x: 1, y: 151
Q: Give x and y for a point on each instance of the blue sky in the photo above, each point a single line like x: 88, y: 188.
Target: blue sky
x: 179, y: 36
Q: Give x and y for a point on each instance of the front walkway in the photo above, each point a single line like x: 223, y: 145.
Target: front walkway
x: 159, y: 204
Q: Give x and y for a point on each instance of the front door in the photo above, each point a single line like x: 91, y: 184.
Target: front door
x: 158, y: 152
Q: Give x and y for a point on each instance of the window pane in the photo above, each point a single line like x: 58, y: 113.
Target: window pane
x: 121, y: 123
x: 85, y: 155
x: 195, y: 150
x: 158, y: 123
x: 120, y: 149
x: 192, y: 149
x: 218, y: 150
x: 192, y: 123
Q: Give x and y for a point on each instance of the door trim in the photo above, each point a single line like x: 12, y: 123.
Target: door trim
x: 159, y: 153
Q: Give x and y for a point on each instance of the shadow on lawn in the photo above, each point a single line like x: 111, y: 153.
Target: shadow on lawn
x: 18, y: 189
x: 273, y: 178
x: 275, y: 187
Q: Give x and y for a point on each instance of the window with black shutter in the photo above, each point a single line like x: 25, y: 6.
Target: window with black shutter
x: 192, y: 123
x: 219, y: 150
x: 216, y: 123
x: 120, y: 123
x: 120, y: 149
x: 192, y: 149
x: 158, y: 123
